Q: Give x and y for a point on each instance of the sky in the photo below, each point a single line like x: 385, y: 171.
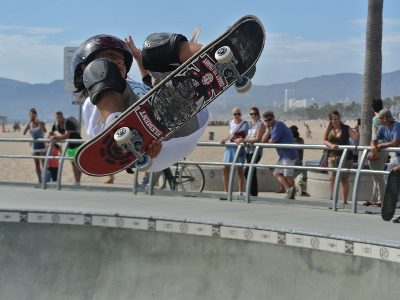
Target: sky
x: 305, y: 38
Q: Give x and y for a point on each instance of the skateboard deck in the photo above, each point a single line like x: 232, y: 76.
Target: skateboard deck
x: 391, y: 197
x: 176, y: 99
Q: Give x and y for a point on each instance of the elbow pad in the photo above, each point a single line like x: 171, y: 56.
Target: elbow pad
x: 101, y: 75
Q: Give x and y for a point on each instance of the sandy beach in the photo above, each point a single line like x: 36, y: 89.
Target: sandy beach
x: 23, y: 170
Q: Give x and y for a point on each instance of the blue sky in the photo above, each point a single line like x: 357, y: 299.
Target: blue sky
x: 304, y: 38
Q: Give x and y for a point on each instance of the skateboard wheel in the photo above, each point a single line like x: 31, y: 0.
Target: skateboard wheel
x: 224, y: 55
x: 244, y: 86
x: 143, y: 165
x: 123, y: 135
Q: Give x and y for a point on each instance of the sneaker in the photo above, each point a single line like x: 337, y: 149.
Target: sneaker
x: 290, y: 193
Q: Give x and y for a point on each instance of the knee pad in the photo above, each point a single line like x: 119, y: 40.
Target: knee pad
x: 101, y: 75
x: 160, y: 52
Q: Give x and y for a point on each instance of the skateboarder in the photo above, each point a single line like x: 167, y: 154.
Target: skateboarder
x: 100, y: 67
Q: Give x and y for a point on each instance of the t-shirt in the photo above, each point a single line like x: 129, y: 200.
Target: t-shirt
x: 281, y: 134
x: 69, y: 126
x: 376, y: 122
x: 389, y: 134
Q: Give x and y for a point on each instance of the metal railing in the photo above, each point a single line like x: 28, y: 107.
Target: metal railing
x: 252, y: 165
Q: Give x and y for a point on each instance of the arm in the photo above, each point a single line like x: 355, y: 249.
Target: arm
x: 266, y: 135
x: 26, y: 128
x: 137, y: 55
x: 258, y: 138
x: 354, y: 134
x: 43, y: 127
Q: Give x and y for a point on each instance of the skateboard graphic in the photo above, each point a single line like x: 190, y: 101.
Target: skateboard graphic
x: 175, y: 100
x: 391, y: 197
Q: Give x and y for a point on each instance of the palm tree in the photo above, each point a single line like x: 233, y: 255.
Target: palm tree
x: 373, y: 67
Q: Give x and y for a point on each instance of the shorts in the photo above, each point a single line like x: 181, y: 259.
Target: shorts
x: 71, y: 152
x: 285, y: 162
x: 230, y: 154
x: 333, y: 162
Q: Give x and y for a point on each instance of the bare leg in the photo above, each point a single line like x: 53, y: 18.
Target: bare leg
x: 282, y: 180
x: 290, y: 181
x: 225, y: 176
x: 332, y: 183
x: 187, y: 50
x: 38, y: 169
x: 345, y: 188
x: 77, y: 172
x: 110, y: 179
x: 241, y: 179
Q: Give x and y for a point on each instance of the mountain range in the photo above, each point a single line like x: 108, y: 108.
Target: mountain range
x: 18, y: 97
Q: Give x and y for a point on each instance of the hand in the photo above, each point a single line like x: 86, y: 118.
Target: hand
x: 373, y: 156
x: 334, y: 147
x: 136, y: 52
x: 154, y: 148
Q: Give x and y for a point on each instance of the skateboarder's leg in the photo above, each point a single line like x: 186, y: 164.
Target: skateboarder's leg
x: 164, y: 52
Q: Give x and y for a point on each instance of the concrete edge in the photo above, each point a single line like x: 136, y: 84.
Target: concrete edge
x: 281, y: 236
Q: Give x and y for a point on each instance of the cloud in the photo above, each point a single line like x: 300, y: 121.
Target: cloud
x: 290, y: 58
x: 30, y: 58
x: 30, y: 30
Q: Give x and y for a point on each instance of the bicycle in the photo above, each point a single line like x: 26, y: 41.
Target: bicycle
x: 182, y: 177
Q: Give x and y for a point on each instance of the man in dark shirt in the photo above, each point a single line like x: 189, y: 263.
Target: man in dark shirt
x: 67, y: 129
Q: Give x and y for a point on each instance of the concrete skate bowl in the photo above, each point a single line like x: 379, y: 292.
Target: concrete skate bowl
x: 49, y: 256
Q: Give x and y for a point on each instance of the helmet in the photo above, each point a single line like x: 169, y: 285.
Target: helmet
x: 86, y: 51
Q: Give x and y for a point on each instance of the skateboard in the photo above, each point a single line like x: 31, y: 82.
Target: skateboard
x: 391, y: 197
x: 175, y: 100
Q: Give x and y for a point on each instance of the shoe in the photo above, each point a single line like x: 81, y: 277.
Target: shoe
x: 368, y: 203
x: 397, y: 220
x: 290, y: 193
x: 377, y: 204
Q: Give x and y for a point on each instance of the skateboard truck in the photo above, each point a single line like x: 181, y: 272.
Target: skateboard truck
x: 132, y: 141
x: 227, y: 68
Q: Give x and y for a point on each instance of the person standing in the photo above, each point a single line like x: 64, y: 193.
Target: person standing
x: 254, y: 135
x: 337, y: 134
x: 37, y: 130
x: 238, y: 128
x: 389, y: 133
x: 378, y: 188
x: 66, y: 129
x: 278, y: 133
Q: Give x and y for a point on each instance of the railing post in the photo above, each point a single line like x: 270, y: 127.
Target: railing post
x: 232, y: 172
x: 60, y: 166
x: 335, y: 193
x: 44, y: 169
x: 250, y: 173
x: 357, y: 180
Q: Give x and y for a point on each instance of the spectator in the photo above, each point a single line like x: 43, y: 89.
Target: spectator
x: 254, y: 135
x: 378, y: 188
x: 54, y: 162
x: 67, y: 130
x: 298, y: 140
x: 278, y: 133
x: 389, y: 135
x: 37, y: 130
x: 237, y: 129
x: 337, y: 134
